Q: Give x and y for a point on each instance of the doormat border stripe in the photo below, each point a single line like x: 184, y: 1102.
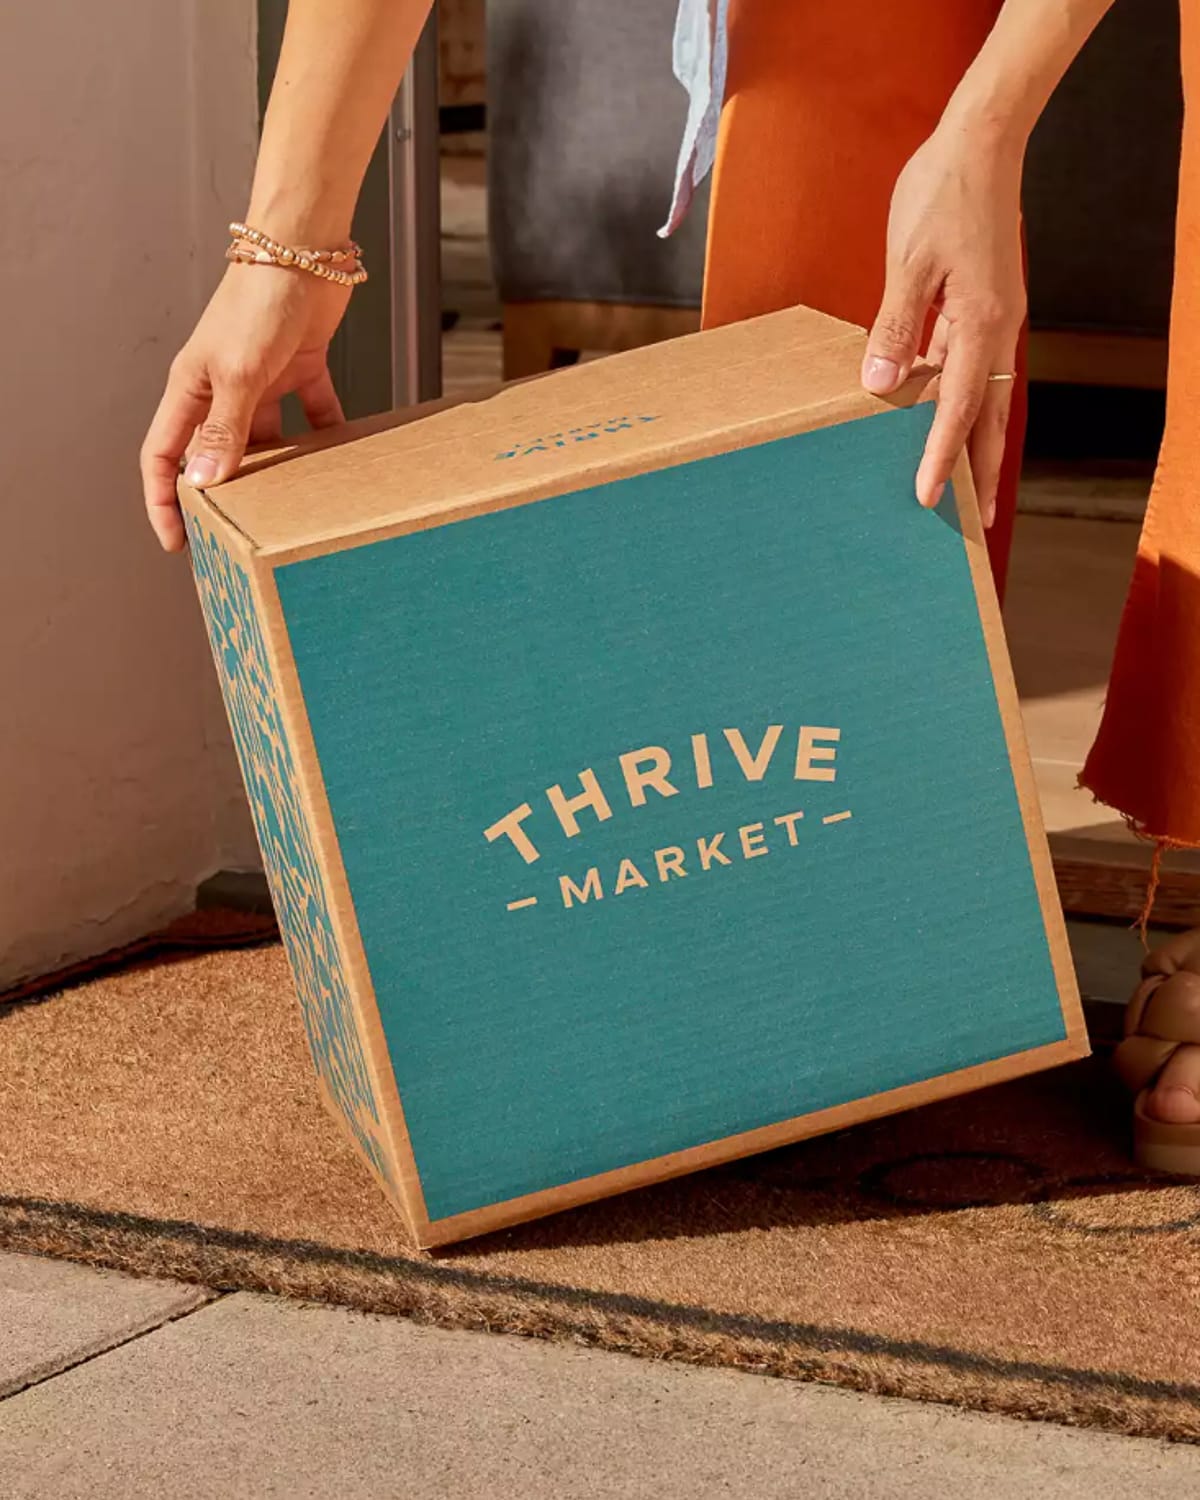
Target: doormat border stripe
x: 21, y: 1217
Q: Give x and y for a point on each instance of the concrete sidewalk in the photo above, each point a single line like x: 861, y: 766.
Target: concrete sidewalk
x: 124, y: 1388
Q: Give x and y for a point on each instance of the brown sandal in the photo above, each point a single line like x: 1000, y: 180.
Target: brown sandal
x: 1163, y: 1015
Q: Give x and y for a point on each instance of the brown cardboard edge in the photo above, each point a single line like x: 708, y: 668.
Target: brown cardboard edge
x: 852, y: 406
x: 410, y: 1198
x: 1024, y: 780
x: 199, y: 503
x: 269, y: 455
x: 408, y: 1195
x: 439, y: 1232
x: 1075, y: 1044
x: 818, y: 332
x: 410, y: 1220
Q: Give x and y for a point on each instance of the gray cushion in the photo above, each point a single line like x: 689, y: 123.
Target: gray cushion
x: 584, y: 125
x: 584, y: 122
x: 1101, y: 178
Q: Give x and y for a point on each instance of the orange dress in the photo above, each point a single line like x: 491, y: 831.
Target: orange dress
x: 824, y: 103
x: 1146, y: 759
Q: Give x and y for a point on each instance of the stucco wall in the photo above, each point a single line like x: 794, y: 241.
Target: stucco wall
x: 126, y: 139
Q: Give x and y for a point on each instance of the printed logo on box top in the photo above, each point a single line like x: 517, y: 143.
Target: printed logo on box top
x: 703, y: 843
x: 587, y: 433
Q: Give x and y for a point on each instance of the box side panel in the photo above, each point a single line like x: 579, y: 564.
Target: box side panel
x: 651, y: 407
x: 299, y: 886
x: 673, y: 809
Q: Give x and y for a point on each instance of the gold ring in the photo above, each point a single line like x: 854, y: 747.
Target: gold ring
x: 1003, y: 375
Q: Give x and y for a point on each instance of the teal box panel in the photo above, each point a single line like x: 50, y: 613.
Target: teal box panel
x: 298, y: 892
x: 452, y: 676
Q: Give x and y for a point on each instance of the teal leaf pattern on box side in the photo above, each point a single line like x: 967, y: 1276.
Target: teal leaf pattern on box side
x: 290, y: 860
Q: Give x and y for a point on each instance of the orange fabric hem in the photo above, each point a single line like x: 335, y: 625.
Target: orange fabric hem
x: 1146, y: 759
x: 1163, y: 844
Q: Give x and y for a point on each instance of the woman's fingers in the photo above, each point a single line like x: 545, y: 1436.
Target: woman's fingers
x: 320, y: 401
x: 939, y: 343
x: 183, y: 405
x: 895, y: 338
x: 211, y: 422
x: 960, y: 398
x: 222, y: 435
x: 266, y: 426
x: 259, y: 338
x: 988, y: 440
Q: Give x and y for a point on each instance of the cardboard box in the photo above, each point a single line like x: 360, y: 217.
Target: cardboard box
x: 638, y: 771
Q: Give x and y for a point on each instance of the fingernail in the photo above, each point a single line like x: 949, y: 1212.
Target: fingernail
x: 880, y: 375
x: 201, y: 470
x: 935, y: 499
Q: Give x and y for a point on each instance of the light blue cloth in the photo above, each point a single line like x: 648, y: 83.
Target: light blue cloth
x: 699, y: 56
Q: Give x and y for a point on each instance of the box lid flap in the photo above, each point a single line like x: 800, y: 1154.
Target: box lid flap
x: 649, y: 408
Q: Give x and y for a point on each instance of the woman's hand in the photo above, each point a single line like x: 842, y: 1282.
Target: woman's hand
x: 265, y: 333
x: 954, y: 248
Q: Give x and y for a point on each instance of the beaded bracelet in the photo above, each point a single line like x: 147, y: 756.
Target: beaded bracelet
x: 326, y: 264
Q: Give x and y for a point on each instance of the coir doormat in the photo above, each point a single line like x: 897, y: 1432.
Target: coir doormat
x: 998, y: 1251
